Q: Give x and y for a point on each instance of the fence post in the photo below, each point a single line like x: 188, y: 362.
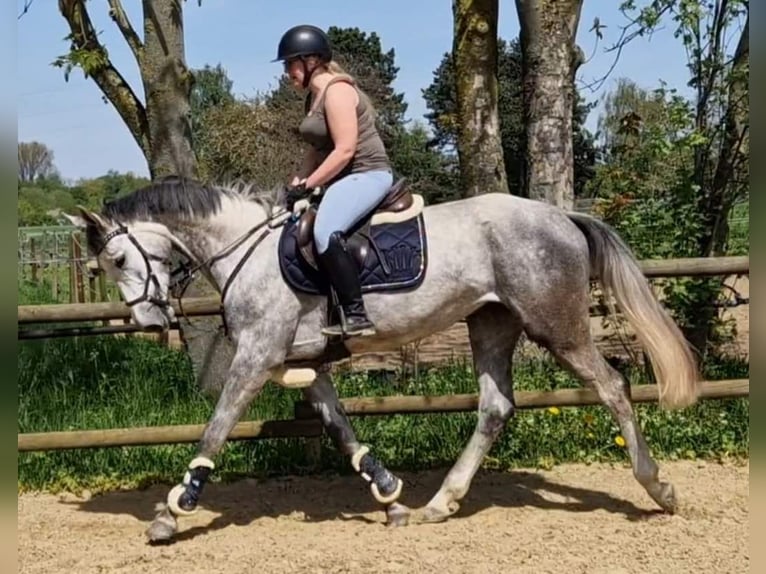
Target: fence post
x: 72, y: 272
x: 33, y: 256
x: 79, y: 270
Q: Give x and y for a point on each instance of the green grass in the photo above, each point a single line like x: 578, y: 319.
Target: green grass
x: 93, y: 383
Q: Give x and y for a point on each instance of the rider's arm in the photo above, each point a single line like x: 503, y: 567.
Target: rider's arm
x: 340, y: 104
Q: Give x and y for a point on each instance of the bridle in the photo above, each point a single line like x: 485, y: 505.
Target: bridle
x: 151, y: 277
x: 186, y: 272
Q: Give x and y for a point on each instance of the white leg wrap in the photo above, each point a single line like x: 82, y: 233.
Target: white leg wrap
x: 201, y: 461
x: 355, y: 462
x: 391, y: 497
x: 173, y: 497
x: 176, y: 492
x: 356, y: 459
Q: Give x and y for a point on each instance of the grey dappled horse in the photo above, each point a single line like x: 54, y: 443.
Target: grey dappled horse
x: 506, y: 264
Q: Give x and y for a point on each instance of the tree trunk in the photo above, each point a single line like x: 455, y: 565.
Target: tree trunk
x: 732, y: 163
x: 731, y: 171
x: 162, y: 125
x: 479, y: 146
x: 550, y: 60
x: 167, y: 85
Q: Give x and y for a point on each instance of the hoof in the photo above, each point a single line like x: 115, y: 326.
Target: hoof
x: 163, y: 528
x: 432, y: 514
x: 397, y: 515
x: 666, y: 497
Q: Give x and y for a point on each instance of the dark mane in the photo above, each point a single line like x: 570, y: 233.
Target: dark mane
x: 176, y: 197
x: 173, y: 195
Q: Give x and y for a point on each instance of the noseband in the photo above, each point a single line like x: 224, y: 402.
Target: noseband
x: 150, y: 275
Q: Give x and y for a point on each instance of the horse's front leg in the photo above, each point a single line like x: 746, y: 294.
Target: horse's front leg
x: 246, y: 377
x: 384, y: 485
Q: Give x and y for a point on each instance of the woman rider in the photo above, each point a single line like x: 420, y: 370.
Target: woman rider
x: 346, y: 156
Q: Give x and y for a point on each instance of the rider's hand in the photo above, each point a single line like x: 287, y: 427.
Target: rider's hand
x: 294, y: 192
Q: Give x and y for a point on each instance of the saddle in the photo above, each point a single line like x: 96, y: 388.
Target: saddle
x: 388, y: 245
x: 399, y: 204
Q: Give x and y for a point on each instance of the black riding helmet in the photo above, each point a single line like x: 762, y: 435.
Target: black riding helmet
x: 301, y: 41
x: 304, y: 40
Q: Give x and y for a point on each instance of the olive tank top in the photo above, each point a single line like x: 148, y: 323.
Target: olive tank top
x: 370, y: 153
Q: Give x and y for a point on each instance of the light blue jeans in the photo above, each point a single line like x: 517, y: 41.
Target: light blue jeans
x: 347, y: 201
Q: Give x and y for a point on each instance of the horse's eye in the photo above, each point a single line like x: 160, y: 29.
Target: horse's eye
x: 120, y: 262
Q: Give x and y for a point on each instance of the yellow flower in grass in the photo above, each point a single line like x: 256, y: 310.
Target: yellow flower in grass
x: 619, y: 441
x: 554, y: 410
x: 589, y: 418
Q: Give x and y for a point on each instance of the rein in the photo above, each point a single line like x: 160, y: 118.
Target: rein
x: 188, y: 273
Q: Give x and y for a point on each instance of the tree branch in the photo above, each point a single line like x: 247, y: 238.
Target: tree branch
x: 90, y: 55
x: 718, y: 25
x: 117, y: 13
x: 629, y: 32
x: 25, y: 9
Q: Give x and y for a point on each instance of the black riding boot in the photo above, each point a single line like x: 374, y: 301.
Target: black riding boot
x: 344, y: 276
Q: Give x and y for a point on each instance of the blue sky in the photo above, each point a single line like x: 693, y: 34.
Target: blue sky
x: 88, y: 138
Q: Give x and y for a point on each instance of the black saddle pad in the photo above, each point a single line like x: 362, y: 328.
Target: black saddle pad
x: 402, y: 246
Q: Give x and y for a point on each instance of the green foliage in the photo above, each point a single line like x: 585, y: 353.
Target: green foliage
x: 42, y: 202
x: 113, y: 383
x: 715, y: 37
x: 362, y: 55
x: 648, y: 190
x: 250, y: 139
x: 430, y: 173
x: 212, y: 88
x: 89, y: 59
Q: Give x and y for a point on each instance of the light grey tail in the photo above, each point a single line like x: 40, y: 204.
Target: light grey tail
x: 672, y: 359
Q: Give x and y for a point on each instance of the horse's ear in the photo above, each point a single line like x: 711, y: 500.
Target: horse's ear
x: 86, y: 218
x: 76, y: 220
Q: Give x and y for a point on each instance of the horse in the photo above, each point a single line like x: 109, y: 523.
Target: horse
x: 504, y: 264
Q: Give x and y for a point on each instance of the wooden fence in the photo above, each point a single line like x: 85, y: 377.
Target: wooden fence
x: 206, y: 306
x: 54, y: 257
x: 305, y: 423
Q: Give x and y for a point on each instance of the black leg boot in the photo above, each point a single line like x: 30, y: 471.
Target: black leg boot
x: 344, y: 276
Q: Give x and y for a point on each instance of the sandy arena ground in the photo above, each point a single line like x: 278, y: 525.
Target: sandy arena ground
x: 572, y: 519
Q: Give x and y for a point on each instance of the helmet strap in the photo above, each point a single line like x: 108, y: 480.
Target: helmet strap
x: 306, y: 73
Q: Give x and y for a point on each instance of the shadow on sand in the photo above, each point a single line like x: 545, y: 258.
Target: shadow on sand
x: 318, y: 499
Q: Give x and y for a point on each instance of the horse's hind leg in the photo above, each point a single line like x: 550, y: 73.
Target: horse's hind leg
x: 575, y: 350
x: 385, y: 486
x: 493, y: 332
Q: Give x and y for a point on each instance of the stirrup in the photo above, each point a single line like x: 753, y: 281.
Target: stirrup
x: 343, y: 329
x: 338, y: 330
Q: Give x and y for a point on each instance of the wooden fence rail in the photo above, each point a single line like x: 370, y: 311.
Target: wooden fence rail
x: 205, y: 306
x: 306, y: 425
x: 175, y: 434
